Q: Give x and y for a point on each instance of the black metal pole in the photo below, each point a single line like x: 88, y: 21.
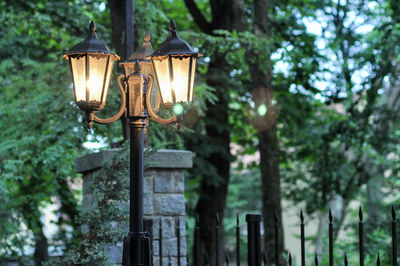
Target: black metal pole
x: 136, y: 190
x: 128, y: 28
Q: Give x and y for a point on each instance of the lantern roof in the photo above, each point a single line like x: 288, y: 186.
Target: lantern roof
x: 91, y: 45
x: 174, y: 45
x: 144, y: 51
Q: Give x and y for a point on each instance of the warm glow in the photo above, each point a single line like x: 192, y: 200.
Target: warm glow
x: 95, y: 81
x: 163, y: 78
x: 79, y: 76
x: 91, y: 85
x: 180, y: 83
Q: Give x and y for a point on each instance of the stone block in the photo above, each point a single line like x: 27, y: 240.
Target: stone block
x: 169, y: 181
x: 171, y: 159
x: 169, y: 204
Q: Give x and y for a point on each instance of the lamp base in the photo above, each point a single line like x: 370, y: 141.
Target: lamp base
x: 130, y: 249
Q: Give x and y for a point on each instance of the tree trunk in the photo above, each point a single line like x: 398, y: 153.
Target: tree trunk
x: 268, y: 143
x: 228, y: 15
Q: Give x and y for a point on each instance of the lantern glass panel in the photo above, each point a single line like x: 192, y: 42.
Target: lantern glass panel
x: 79, y: 75
x: 95, y: 79
x: 180, y: 83
x: 194, y: 59
x: 108, y: 78
x: 163, y: 77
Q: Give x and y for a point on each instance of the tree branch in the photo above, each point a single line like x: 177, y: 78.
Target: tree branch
x: 200, y: 20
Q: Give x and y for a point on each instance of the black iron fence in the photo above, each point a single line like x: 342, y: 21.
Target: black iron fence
x: 255, y: 256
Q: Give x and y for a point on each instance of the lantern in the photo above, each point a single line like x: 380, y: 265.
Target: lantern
x: 91, y: 66
x: 174, y: 63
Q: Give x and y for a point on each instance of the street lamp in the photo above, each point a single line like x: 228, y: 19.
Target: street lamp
x: 173, y: 63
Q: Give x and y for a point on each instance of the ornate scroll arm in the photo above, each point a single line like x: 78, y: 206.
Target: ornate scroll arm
x: 152, y: 113
x: 92, y: 117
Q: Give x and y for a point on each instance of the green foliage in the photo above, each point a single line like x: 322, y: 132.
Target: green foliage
x: 102, y: 222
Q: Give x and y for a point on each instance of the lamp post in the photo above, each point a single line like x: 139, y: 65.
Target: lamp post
x: 173, y: 64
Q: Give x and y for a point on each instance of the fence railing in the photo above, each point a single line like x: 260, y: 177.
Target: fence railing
x: 255, y: 256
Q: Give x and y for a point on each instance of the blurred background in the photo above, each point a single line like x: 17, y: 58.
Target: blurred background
x: 296, y: 107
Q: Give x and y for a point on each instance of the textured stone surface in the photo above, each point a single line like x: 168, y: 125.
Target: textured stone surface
x: 163, y: 199
x: 169, y: 204
x: 93, y: 161
x: 169, y: 181
x: 172, y: 159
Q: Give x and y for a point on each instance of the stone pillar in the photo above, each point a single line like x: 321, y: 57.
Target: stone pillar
x: 163, y: 198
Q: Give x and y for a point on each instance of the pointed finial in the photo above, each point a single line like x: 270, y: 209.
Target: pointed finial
x: 360, y: 214
x: 265, y: 258
x: 178, y: 222
x: 169, y: 259
x: 393, y: 213
x: 290, y: 259
x: 301, y: 216
x: 172, y: 25
x: 237, y: 219
x: 316, y: 259
x: 378, y: 261
x: 136, y: 68
x: 147, y: 36
x: 226, y: 258
x: 92, y: 26
x: 345, y: 259
x: 276, y: 217
x: 330, y: 216
x: 217, y: 218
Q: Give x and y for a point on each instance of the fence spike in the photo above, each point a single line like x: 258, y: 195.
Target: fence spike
x: 378, y: 261
x: 290, y: 259
x: 178, y: 242
x: 237, y: 240
x: 197, y: 256
x: 302, y: 239
x: 316, y: 259
x: 330, y: 238
x: 361, y: 236
x: 226, y: 259
x: 217, y: 239
x: 160, y: 238
x: 345, y: 260
x: 276, y: 229
x: 394, y: 237
x: 169, y: 259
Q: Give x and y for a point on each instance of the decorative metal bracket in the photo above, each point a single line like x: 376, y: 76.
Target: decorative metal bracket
x: 153, y: 113
x: 90, y: 117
